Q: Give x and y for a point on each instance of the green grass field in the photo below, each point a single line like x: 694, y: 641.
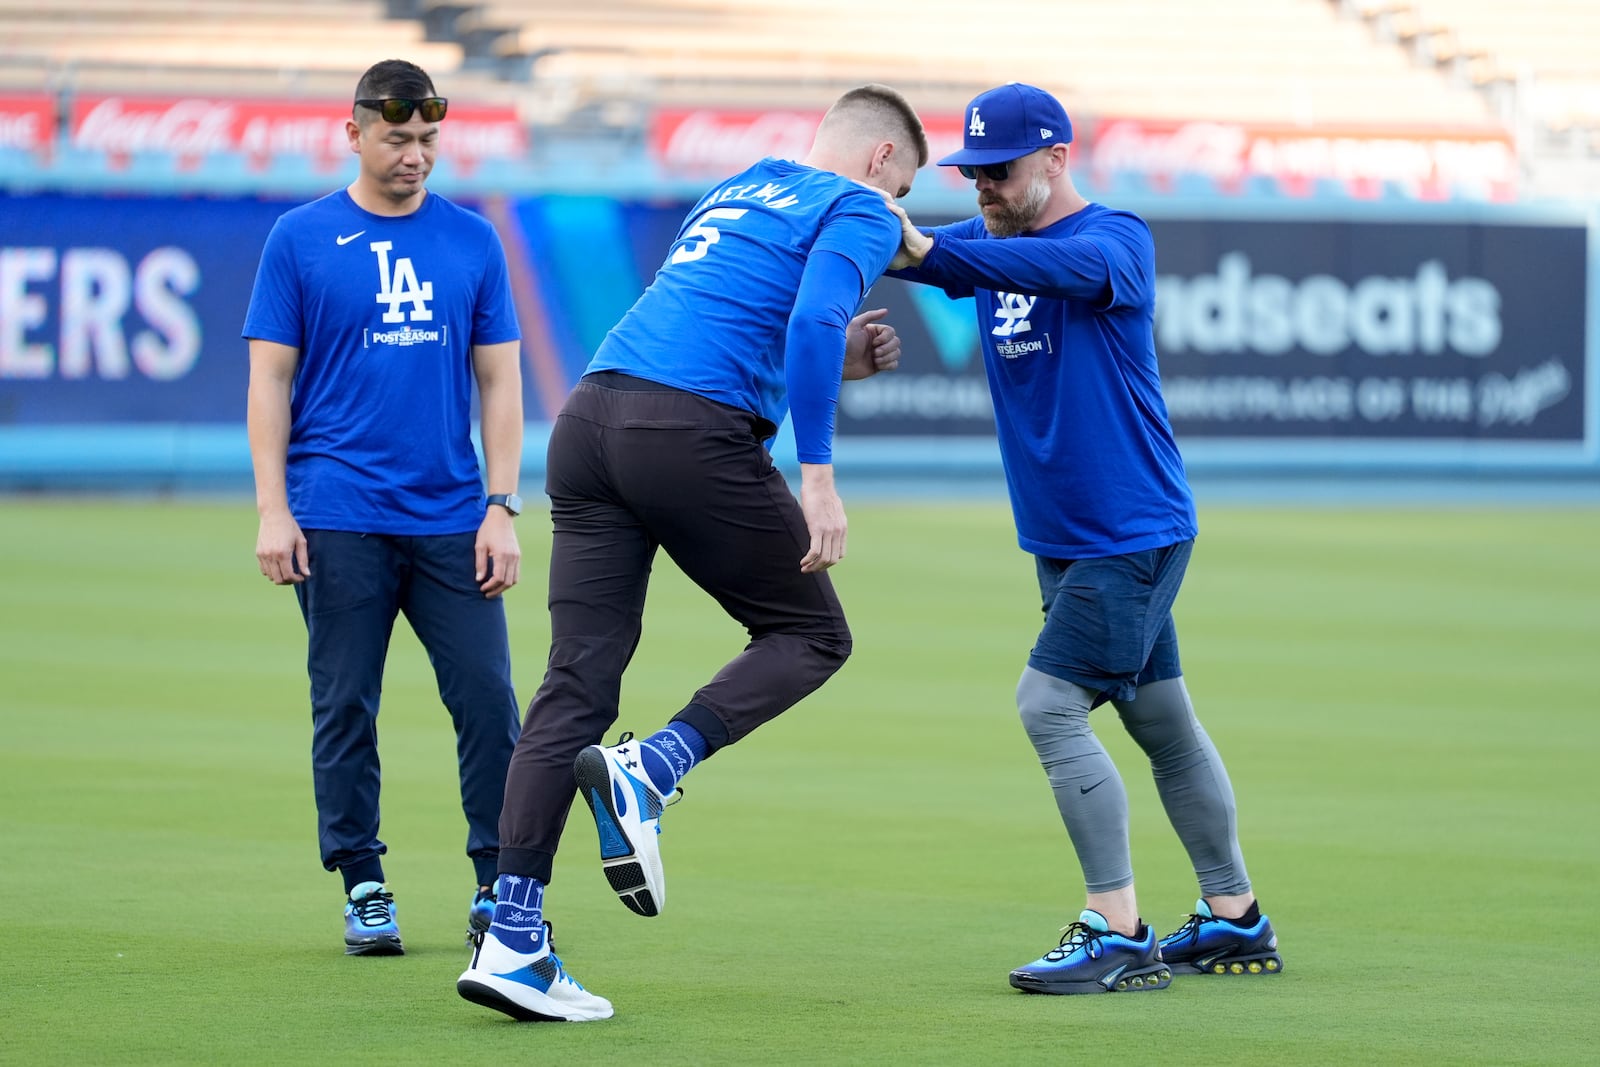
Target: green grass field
x: 1406, y: 701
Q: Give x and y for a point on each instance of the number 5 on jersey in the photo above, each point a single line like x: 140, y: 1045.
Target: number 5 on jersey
x: 699, y: 238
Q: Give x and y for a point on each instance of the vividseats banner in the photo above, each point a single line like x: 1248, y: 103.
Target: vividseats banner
x: 1291, y: 330
x: 124, y: 309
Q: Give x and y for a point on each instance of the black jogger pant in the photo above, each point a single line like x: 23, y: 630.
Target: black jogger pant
x: 634, y: 467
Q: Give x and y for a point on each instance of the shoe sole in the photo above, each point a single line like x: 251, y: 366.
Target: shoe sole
x: 1257, y: 964
x: 496, y: 993
x: 1128, y: 982
x: 378, y: 946
x: 628, y: 858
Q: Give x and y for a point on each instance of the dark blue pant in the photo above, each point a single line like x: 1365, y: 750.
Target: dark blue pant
x: 358, y: 584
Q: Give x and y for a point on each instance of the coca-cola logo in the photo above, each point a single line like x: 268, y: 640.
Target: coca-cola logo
x: 182, y: 128
x: 719, y: 139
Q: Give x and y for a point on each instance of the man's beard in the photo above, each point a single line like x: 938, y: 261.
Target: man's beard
x: 1010, y: 218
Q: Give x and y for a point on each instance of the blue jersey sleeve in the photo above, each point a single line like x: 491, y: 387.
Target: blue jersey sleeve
x: 956, y: 290
x: 494, y: 317
x: 863, y: 230
x: 1109, y: 262
x: 275, y: 303
x: 814, y: 347
x: 858, y: 238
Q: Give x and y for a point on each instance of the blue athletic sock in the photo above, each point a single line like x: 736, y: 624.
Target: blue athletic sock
x: 672, y: 752
x: 519, y: 913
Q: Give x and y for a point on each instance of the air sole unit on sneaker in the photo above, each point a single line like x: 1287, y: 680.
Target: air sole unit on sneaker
x: 375, y: 946
x: 1260, y: 963
x: 626, y: 814
x: 1115, y: 981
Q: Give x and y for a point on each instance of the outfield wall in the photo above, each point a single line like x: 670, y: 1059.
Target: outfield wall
x: 1295, y: 337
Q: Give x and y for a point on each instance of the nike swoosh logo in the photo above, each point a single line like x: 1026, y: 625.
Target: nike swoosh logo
x: 1087, y: 788
x: 347, y: 240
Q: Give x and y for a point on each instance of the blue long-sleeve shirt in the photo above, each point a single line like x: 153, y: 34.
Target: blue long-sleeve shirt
x: 1066, y: 318
x: 751, y: 306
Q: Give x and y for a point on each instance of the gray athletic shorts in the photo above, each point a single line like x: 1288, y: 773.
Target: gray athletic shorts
x: 1108, y: 622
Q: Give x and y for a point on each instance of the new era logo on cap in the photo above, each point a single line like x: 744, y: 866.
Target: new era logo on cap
x: 1009, y: 122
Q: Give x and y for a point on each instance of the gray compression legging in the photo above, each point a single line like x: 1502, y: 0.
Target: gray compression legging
x: 1189, y: 776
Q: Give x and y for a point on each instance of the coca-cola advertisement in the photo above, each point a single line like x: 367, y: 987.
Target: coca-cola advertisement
x: 194, y: 128
x: 1427, y: 164
x: 712, y: 143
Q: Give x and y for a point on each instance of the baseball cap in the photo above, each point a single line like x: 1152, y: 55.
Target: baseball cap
x: 1009, y: 122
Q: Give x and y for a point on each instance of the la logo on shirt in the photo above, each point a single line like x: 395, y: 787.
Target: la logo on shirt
x: 1013, y: 310
x: 401, y: 287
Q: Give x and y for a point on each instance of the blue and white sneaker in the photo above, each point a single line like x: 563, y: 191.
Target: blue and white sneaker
x: 529, y: 987
x: 1092, y: 959
x: 369, y: 922
x: 1206, y: 944
x: 627, y: 813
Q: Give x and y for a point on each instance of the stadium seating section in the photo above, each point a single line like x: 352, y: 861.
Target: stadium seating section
x: 1332, y: 63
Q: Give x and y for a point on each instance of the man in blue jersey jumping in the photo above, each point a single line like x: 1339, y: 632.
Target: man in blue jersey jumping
x: 1065, y: 293
x: 662, y: 446
x: 375, y: 309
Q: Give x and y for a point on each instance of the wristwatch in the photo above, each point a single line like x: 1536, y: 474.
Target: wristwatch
x: 510, y: 501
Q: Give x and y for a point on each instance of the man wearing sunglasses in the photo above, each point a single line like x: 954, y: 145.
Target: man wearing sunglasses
x: 1065, y: 295
x: 375, y: 311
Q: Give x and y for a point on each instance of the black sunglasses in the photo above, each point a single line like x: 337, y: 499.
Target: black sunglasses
x: 398, y: 109
x: 995, y: 172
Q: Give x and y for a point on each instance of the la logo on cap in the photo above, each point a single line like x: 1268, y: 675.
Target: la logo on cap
x: 975, y: 127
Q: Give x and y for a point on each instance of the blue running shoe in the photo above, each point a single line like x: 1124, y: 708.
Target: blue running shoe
x: 1092, y: 959
x: 627, y: 813
x: 480, y: 913
x: 1206, y: 944
x: 369, y: 923
x: 529, y: 987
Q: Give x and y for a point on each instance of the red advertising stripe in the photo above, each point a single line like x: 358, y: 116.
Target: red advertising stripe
x: 715, y: 141
x: 192, y: 128
x: 1429, y: 163
x: 27, y: 122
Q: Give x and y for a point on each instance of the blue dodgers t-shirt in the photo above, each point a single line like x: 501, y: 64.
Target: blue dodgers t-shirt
x: 1068, y: 342
x: 385, y: 312
x: 714, y: 321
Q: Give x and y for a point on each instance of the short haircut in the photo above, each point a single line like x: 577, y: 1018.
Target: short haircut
x: 394, y: 78
x: 883, y: 108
